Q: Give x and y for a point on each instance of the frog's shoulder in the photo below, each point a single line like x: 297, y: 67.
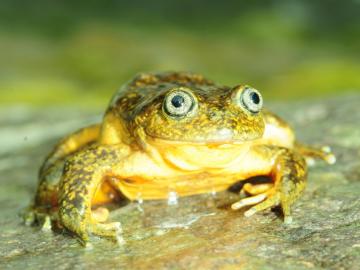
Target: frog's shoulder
x: 271, y: 118
x: 144, y: 88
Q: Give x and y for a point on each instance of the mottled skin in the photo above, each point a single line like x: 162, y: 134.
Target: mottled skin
x: 139, y: 150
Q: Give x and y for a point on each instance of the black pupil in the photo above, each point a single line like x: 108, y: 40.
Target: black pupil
x: 177, y: 101
x: 255, y: 97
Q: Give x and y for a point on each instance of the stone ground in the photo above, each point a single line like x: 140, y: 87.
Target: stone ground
x: 201, y: 232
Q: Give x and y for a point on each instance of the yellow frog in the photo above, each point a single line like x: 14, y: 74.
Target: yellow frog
x: 176, y: 133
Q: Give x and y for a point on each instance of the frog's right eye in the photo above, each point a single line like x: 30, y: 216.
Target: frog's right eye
x: 179, y: 103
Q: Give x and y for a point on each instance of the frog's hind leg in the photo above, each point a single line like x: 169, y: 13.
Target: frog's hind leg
x: 69, y: 145
x: 288, y: 172
x: 43, y: 208
x: 311, y: 153
x: 46, y: 199
x: 52, y: 168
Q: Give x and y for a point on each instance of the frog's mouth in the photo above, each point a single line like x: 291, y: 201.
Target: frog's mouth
x: 211, y: 142
x: 197, y: 155
x: 222, y: 138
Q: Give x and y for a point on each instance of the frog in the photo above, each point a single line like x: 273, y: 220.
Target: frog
x: 172, y: 133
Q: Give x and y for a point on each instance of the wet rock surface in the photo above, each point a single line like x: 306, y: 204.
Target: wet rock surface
x: 199, y: 232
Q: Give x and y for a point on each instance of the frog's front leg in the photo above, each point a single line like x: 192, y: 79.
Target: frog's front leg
x: 287, y: 169
x: 84, y: 173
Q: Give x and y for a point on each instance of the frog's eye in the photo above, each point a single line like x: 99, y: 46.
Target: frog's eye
x: 250, y: 99
x: 179, y: 103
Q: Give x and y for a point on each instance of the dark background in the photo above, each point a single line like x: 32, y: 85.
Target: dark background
x: 80, y: 52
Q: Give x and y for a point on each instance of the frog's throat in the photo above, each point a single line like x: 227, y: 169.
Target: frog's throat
x: 192, y: 156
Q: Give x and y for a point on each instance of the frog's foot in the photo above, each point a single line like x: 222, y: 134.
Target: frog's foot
x: 33, y: 216
x: 263, y: 201
x: 311, y: 153
x: 288, y: 175
x: 92, y: 223
x: 258, y: 193
x: 111, y: 230
x: 29, y: 216
x: 100, y: 228
x: 85, y: 228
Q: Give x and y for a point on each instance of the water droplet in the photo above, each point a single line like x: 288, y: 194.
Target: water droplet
x: 139, y: 198
x: 120, y: 240
x: 140, y: 202
x: 119, y: 236
x: 172, y: 198
x: 89, y: 246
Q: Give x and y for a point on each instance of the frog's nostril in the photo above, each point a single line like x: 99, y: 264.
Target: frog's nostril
x: 225, y: 133
x: 214, y: 115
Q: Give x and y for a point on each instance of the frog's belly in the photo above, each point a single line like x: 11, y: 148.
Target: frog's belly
x: 160, y: 188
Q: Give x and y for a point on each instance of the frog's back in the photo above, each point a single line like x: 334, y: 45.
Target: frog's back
x: 147, y: 87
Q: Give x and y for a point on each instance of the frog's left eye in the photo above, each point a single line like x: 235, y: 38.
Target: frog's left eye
x: 179, y: 103
x: 250, y: 99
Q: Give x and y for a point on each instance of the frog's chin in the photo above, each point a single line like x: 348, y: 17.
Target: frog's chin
x: 193, y: 155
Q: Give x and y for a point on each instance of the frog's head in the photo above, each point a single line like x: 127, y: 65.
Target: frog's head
x: 187, y: 119
x: 205, y: 115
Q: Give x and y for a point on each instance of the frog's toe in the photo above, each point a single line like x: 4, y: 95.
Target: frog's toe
x: 29, y: 217
x: 311, y: 153
x: 33, y: 216
x: 100, y: 214
x: 271, y: 201
x: 98, y: 227
x: 46, y: 224
x: 111, y: 230
x: 252, y: 189
x: 261, y: 202
x: 328, y: 155
x: 249, y: 201
x: 265, y: 201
